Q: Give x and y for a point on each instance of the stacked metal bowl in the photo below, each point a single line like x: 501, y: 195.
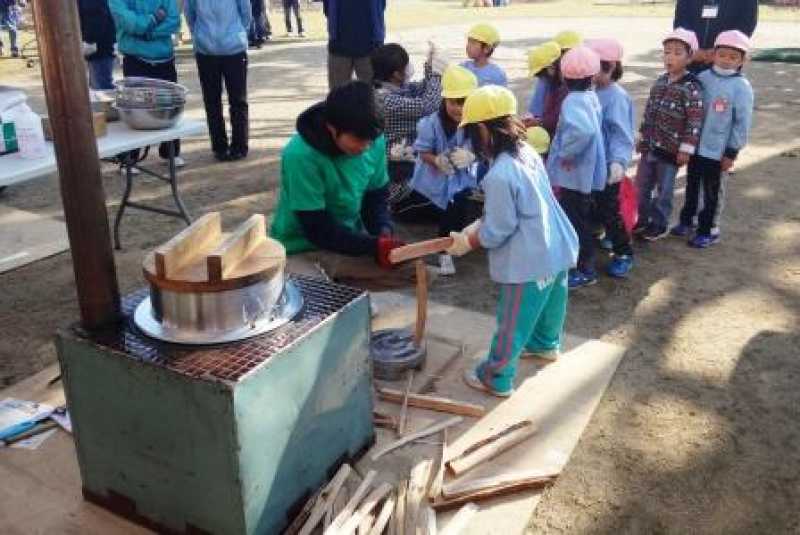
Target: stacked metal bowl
x: 150, y: 104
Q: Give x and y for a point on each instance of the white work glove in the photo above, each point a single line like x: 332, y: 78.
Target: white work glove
x: 87, y: 49
x: 437, y: 59
x: 461, y: 240
x: 401, y: 152
x: 615, y: 173
x: 461, y: 158
x: 444, y: 165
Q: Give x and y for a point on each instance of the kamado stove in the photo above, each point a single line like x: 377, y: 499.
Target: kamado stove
x: 229, y: 391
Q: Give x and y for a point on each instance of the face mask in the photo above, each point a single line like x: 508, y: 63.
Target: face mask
x: 724, y: 72
x: 409, y: 71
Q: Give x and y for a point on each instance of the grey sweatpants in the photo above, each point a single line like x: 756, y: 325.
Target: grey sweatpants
x: 340, y: 69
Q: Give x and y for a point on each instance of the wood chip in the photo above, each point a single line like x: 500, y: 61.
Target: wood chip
x: 491, y: 447
x: 435, y: 428
x: 384, y: 516
x: 418, y: 483
x: 438, y: 476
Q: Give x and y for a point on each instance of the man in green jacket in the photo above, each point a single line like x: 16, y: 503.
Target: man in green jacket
x: 332, y: 210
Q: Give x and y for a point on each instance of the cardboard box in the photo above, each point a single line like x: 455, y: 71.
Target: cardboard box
x: 8, y: 138
x: 98, y: 121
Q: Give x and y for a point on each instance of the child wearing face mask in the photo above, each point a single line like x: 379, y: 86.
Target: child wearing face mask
x: 482, y: 40
x: 402, y: 103
x: 728, y: 104
x: 669, y: 134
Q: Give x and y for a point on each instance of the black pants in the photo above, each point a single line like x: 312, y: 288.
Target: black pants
x: 707, y: 173
x: 259, y: 28
x: 578, y: 207
x: 133, y: 66
x: 606, y: 211
x: 288, y: 7
x: 213, y: 70
x: 416, y: 208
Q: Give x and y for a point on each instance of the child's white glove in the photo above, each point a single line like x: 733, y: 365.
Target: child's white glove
x: 615, y: 173
x: 462, y: 241
x: 401, y: 152
x: 444, y: 165
x: 461, y: 158
x: 87, y: 49
x: 436, y: 58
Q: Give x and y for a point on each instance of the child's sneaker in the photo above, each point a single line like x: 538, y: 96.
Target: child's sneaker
x: 579, y: 279
x: 620, y: 266
x: 550, y: 355
x: 446, y: 265
x: 654, y: 233
x: 681, y: 231
x: 472, y: 380
x: 701, y: 241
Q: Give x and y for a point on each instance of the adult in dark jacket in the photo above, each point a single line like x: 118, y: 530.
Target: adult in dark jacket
x: 708, y: 18
x: 97, y: 28
x: 355, y: 29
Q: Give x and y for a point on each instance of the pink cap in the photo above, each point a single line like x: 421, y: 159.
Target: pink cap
x: 684, y: 36
x: 580, y: 62
x: 733, y: 39
x: 607, y: 48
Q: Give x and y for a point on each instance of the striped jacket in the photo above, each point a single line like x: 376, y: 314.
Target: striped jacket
x: 673, y: 117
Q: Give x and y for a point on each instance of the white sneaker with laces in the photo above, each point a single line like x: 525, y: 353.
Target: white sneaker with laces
x: 446, y: 265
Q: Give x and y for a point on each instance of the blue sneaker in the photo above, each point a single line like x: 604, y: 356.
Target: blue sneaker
x: 579, y: 279
x: 702, y: 241
x: 681, y: 231
x: 606, y: 244
x: 620, y: 266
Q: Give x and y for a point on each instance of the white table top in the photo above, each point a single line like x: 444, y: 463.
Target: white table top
x: 119, y: 138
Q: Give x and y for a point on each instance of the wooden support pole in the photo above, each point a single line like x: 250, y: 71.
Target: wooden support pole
x: 82, y: 195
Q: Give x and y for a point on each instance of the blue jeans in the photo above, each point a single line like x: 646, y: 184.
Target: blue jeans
x: 101, y: 73
x: 655, y: 179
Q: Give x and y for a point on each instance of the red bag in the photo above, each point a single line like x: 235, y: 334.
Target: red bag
x: 629, y: 203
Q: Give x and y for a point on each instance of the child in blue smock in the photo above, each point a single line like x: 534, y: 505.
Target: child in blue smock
x: 543, y: 66
x: 619, y: 139
x: 444, y: 173
x: 482, y: 40
x: 577, y: 161
x: 530, y: 242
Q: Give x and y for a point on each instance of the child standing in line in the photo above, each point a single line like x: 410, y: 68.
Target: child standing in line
x: 669, y: 133
x: 444, y: 174
x: 550, y: 92
x: 728, y: 104
x: 543, y: 66
x: 530, y: 242
x: 619, y: 144
x: 577, y: 162
x: 482, y: 40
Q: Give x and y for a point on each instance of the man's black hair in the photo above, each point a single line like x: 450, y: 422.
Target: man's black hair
x: 387, y: 60
x: 579, y: 84
x: 615, y: 72
x: 351, y: 109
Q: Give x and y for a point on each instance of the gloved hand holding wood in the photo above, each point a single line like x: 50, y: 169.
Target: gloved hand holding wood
x: 461, y: 158
x: 466, y: 240
x: 444, y: 165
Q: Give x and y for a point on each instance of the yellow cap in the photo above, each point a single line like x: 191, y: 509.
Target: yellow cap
x: 458, y: 82
x: 485, y: 33
x: 568, y: 39
x: 538, y: 138
x: 543, y: 56
x: 487, y: 103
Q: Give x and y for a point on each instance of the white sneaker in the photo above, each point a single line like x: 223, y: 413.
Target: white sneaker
x: 179, y: 162
x: 446, y: 265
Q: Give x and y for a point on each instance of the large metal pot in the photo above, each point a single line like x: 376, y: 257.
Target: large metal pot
x: 150, y: 119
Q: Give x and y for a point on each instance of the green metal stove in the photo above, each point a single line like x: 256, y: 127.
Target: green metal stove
x: 226, y: 439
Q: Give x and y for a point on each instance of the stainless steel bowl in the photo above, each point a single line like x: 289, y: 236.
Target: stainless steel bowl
x: 150, y: 118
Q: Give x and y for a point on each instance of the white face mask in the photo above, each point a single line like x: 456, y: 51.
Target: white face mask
x: 409, y: 71
x: 724, y: 72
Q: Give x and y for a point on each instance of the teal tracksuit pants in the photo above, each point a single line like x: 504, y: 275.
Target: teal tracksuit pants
x: 530, y: 318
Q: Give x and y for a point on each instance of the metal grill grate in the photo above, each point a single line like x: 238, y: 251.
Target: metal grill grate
x: 228, y: 362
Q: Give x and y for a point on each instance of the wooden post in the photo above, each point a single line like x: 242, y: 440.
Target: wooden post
x: 67, y: 93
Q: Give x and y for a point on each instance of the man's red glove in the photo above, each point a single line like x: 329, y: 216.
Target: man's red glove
x: 385, y: 244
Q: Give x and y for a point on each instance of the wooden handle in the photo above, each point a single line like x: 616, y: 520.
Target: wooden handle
x: 187, y: 245
x: 422, y: 302
x: 236, y: 247
x: 416, y: 250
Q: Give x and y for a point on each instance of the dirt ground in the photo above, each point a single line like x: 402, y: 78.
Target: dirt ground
x: 698, y: 431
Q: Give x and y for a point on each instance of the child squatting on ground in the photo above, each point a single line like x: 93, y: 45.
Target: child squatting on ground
x: 530, y: 241
x: 618, y: 137
x: 444, y: 175
x: 482, y: 40
x: 577, y: 161
x: 728, y: 105
x: 669, y: 133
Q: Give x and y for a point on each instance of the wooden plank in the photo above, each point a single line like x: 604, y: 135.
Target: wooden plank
x: 461, y: 520
x: 338, y: 503
x: 433, y: 403
x: 486, y: 488
x: 401, y: 422
x: 435, y: 428
x: 352, y: 505
x: 419, y: 249
x: 490, y: 447
x: 235, y: 248
x: 422, y: 302
x: 366, y: 524
x: 398, y: 526
x: 438, y: 477
x: 370, y: 502
x: 330, y: 490
x: 384, y: 516
x: 188, y: 245
x: 417, y: 491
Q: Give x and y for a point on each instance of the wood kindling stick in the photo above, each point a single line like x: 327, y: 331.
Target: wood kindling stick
x: 383, y: 517
x: 438, y: 477
x: 418, y: 483
x: 222, y: 260
x: 419, y: 249
x: 325, y: 499
x: 490, y: 447
x: 490, y: 487
x: 422, y: 302
x: 433, y: 403
x: 371, y: 501
x: 399, y: 519
x: 351, y: 506
x: 435, y: 428
x: 401, y: 423
x: 384, y: 420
